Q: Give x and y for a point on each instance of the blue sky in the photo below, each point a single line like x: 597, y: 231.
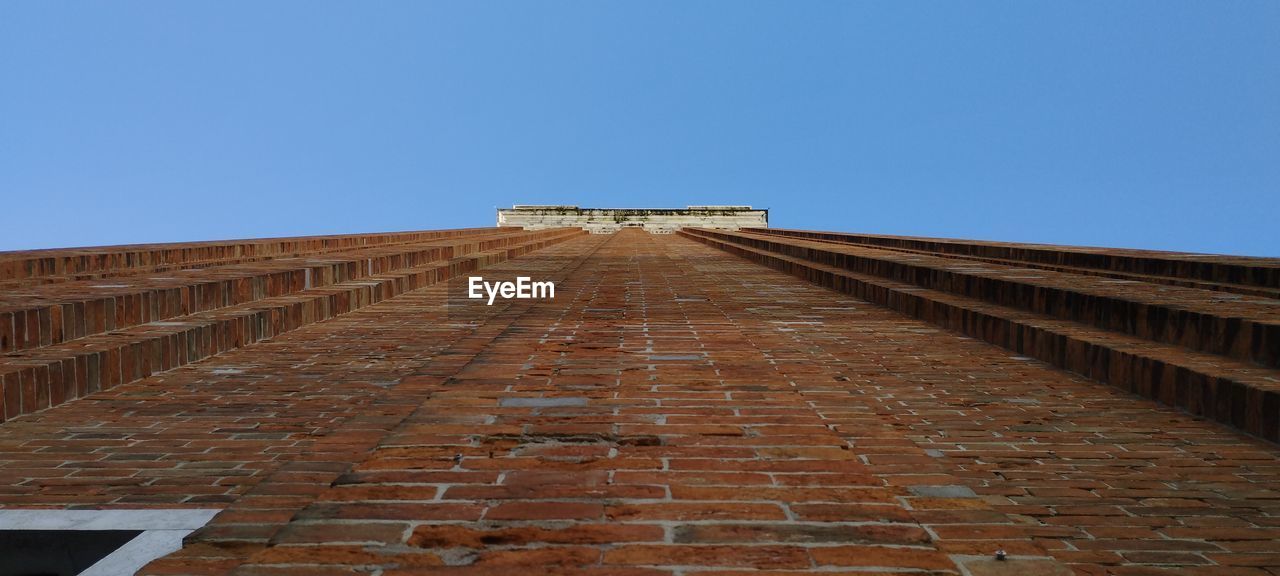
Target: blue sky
x: 1138, y: 124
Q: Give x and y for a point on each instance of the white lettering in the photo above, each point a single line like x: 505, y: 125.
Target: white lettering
x: 523, y: 288
x: 492, y: 290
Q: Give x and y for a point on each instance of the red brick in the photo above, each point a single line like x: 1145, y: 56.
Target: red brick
x: 879, y: 556
x: 342, y: 556
x: 545, y: 511
x: 761, y: 557
x: 792, y: 533
x: 450, y: 536
x: 695, y: 511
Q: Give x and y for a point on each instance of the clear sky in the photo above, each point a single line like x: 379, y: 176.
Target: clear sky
x: 1138, y: 124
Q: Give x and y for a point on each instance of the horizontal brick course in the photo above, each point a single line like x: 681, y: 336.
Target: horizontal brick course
x: 1239, y: 274
x: 28, y: 267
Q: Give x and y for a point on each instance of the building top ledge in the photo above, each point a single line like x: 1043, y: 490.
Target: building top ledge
x: 608, y: 220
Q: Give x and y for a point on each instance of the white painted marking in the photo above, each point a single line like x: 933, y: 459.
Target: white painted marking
x: 136, y: 553
x: 180, y: 519
x: 162, y: 531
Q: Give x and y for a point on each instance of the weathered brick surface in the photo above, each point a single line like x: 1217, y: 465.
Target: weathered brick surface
x: 675, y: 410
x: 43, y: 315
x: 33, y: 267
x: 1239, y: 274
x: 620, y: 427
x: 1073, y: 321
x: 111, y: 334
x: 203, y: 434
x: 1246, y: 328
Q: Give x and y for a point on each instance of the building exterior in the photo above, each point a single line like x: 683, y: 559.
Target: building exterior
x: 750, y: 401
x: 652, y: 220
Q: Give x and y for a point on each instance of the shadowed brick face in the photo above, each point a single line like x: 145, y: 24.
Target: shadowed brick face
x: 676, y: 409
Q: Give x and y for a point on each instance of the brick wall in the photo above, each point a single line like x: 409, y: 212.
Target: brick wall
x: 676, y: 409
x: 147, y: 309
x: 1198, y: 332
